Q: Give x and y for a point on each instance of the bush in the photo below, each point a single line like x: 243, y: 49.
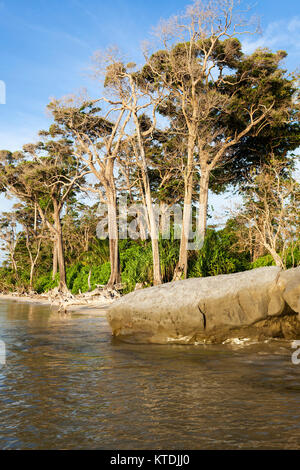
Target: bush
x: 136, y: 265
x: 217, y: 256
x: 292, y: 259
x: 78, y: 276
x: 8, y: 280
x: 266, y: 260
x: 293, y: 256
x: 45, y: 283
x: 169, y: 254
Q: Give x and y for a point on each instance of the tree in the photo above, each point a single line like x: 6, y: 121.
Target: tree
x: 33, y: 231
x: 97, y: 141
x: 45, y: 175
x: 79, y: 229
x: 216, y: 95
x: 136, y: 95
x: 271, y: 212
x: 10, y: 235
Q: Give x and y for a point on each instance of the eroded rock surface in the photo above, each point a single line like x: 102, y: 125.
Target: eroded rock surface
x: 260, y: 303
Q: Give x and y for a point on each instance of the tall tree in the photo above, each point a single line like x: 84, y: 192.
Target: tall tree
x: 45, y: 175
x: 271, y: 211
x: 33, y: 232
x: 137, y: 96
x: 97, y: 141
x: 10, y: 235
x: 216, y: 95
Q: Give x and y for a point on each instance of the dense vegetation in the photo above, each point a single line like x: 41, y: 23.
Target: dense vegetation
x: 199, y: 115
x: 220, y: 255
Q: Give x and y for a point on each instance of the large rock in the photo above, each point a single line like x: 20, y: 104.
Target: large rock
x: 259, y: 303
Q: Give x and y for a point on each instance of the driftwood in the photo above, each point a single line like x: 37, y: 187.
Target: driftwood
x: 102, y: 295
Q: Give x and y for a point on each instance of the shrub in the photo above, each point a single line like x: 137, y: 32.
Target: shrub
x: 266, y: 260
x: 292, y: 259
x: 217, y: 256
x: 45, y: 283
x: 79, y: 276
x: 136, y: 265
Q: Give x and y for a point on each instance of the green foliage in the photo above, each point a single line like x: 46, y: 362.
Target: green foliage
x: 77, y: 277
x: 266, y: 260
x: 45, y: 283
x: 217, y: 256
x: 292, y: 258
x: 8, y: 280
x: 72, y: 274
x: 98, y: 253
x: 136, y: 264
x: 169, y: 254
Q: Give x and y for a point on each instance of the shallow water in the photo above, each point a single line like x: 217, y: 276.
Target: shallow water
x: 67, y: 384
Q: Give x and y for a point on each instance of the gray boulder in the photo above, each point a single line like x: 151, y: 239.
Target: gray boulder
x: 259, y: 303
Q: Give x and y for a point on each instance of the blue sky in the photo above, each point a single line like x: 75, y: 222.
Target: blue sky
x: 46, y: 48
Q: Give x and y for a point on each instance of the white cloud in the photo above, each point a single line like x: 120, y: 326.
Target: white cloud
x: 14, y: 139
x: 282, y: 34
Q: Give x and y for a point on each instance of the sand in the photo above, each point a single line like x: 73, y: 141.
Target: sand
x: 91, y: 307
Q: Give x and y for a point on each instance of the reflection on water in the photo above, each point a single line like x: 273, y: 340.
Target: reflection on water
x: 67, y: 384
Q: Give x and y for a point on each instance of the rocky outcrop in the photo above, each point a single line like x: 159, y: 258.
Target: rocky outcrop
x: 260, y: 303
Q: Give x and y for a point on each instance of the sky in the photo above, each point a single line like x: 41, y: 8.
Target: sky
x: 46, y: 49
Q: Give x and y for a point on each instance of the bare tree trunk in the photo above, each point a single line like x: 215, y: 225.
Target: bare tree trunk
x: 60, y: 254
x: 31, y: 276
x: 182, y: 265
x: 12, y: 257
x: 155, y: 251
x: 164, y: 220
x: 142, y: 223
x: 276, y: 258
x: 143, y: 213
x: 153, y: 231
x: 115, y: 273
x: 54, y: 261
x: 258, y: 249
x: 89, y: 280
x: 33, y: 262
x: 203, y: 200
x: 149, y: 206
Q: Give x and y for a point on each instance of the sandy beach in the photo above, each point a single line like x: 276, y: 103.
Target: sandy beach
x: 81, y: 307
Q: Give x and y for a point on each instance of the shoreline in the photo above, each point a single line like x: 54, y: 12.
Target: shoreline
x: 92, y: 307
